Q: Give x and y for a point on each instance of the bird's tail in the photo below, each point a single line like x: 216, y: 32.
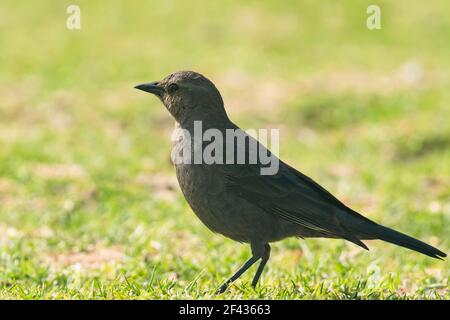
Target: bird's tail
x: 372, y: 230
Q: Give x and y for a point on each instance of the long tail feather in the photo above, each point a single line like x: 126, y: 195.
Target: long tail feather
x: 374, y: 230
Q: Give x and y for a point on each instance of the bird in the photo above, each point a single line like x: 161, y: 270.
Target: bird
x: 238, y: 202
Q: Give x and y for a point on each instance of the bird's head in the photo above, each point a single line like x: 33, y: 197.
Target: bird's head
x: 188, y: 96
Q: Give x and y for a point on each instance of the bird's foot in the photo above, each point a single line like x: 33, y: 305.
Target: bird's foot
x: 222, y: 288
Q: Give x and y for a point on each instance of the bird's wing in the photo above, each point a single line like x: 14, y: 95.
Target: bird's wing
x: 292, y: 196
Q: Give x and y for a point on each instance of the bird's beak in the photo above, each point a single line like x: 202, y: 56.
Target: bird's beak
x: 151, y: 87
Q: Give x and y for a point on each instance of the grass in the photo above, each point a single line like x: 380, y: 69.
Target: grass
x: 88, y: 206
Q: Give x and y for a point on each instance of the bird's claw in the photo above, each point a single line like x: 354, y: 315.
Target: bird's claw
x: 222, y: 289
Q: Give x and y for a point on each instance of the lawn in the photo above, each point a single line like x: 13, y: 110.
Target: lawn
x: 89, y: 208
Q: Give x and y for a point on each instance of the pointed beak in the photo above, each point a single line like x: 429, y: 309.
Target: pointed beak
x: 151, y: 87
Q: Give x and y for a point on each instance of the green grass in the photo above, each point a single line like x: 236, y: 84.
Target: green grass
x: 88, y: 208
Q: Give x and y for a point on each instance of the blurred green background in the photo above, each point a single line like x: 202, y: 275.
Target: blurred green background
x: 88, y: 203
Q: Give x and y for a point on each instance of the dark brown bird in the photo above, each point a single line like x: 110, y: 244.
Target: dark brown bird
x: 237, y: 201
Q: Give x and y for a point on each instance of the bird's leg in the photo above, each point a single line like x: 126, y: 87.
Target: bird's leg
x: 258, y: 253
x: 262, y: 264
x: 244, y: 268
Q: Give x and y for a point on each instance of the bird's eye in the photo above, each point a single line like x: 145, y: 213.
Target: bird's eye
x: 172, y: 88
